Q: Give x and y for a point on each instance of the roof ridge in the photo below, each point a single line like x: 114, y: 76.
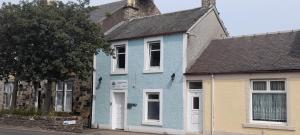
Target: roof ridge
x: 138, y: 18
x: 261, y: 34
x: 109, y: 3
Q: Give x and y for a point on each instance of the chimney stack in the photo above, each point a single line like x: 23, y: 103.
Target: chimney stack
x: 208, y: 3
x: 131, y: 3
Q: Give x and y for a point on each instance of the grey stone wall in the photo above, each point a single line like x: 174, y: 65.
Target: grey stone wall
x: 82, y: 100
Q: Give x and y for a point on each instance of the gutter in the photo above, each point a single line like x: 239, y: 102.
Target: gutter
x: 244, y: 72
x: 212, y: 104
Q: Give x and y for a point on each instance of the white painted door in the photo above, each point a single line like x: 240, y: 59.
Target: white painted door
x: 195, y: 123
x: 118, y: 110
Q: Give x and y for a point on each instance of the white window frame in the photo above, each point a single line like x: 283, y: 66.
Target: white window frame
x: 147, y: 68
x: 64, y: 90
x: 114, y: 69
x: 145, y: 107
x: 268, y: 81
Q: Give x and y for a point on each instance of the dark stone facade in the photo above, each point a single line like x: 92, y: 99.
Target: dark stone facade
x: 81, y: 100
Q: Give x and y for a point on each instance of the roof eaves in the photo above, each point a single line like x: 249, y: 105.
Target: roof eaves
x: 150, y: 35
x: 245, y: 72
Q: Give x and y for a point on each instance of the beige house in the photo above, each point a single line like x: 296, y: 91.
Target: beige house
x: 250, y: 85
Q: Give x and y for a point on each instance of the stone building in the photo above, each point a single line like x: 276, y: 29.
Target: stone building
x: 74, y: 96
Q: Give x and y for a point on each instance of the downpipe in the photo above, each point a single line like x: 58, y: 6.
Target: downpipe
x: 212, y: 104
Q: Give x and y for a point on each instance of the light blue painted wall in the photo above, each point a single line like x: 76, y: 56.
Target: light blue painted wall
x: 172, y: 91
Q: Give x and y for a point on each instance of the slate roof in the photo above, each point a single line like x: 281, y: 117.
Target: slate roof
x: 253, y: 54
x: 157, y: 25
x: 100, y: 12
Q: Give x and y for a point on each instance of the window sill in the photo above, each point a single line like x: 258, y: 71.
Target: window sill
x: 269, y: 126
x: 150, y: 123
x: 119, y: 73
x: 153, y: 71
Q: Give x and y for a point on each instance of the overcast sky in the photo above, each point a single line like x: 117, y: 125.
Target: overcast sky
x: 241, y: 17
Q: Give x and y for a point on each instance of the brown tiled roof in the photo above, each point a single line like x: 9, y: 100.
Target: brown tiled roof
x: 157, y: 25
x: 278, y: 52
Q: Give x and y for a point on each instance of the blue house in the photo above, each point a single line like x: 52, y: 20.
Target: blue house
x: 142, y: 87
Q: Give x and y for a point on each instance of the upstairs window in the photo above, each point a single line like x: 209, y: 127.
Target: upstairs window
x: 154, y: 52
x: 119, y: 61
x: 269, y: 100
x: 153, y: 55
x: 120, y: 56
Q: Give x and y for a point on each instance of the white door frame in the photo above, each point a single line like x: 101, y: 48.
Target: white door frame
x: 188, y: 116
x: 111, y: 107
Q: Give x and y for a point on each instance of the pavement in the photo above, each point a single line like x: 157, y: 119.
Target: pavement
x: 29, y: 131
x: 36, y: 131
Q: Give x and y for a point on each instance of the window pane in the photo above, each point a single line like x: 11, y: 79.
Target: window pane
x: 259, y: 85
x: 7, y: 101
x: 68, y: 104
x: 60, y: 86
x: 8, y: 87
x: 121, y: 61
x: 155, y: 58
x: 69, y: 86
x: 269, y: 107
x: 196, y: 103
x: 153, y: 111
x: 278, y: 85
x: 153, y: 96
x: 121, y: 49
x: 154, y: 45
x: 195, y: 85
x: 59, y: 100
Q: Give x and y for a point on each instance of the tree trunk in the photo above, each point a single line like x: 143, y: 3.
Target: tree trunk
x: 14, y: 95
x: 48, y: 97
